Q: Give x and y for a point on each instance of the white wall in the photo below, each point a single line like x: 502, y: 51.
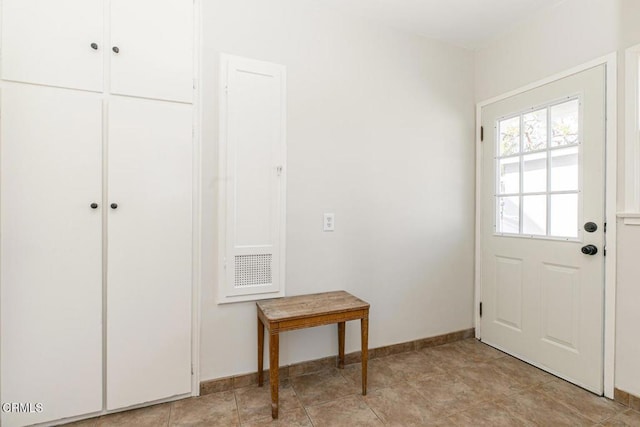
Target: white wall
x: 572, y: 33
x: 556, y: 39
x: 380, y: 132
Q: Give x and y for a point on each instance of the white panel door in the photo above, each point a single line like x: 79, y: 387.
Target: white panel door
x: 51, y: 246
x: 253, y: 155
x: 156, y: 62
x: 53, y: 42
x: 542, y: 184
x: 149, y: 255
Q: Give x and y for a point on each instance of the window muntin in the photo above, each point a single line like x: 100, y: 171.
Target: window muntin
x: 537, y: 167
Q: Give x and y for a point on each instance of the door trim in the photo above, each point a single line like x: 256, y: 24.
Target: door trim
x: 196, y: 285
x: 611, y: 63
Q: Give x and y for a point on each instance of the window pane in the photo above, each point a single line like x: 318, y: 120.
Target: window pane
x: 535, y: 173
x: 509, y: 142
x: 535, y: 130
x: 509, y: 174
x: 565, y: 123
x: 508, y: 215
x: 564, y: 169
x: 564, y: 215
x: 534, y: 215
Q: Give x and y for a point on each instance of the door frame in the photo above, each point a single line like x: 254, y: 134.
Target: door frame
x: 611, y: 64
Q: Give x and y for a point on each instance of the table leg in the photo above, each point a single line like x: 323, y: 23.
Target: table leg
x: 274, y: 350
x: 260, y: 352
x: 341, y: 345
x: 364, y: 337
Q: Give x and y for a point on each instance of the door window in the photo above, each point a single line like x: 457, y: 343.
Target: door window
x: 538, y: 172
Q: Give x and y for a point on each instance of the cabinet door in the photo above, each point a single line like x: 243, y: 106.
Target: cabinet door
x: 149, y: 256
x: 154, y: 41
x: 50, y: 42
x: 51, y: 252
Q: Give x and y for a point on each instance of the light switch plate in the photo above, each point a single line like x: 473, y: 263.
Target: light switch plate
x: 329, y: 223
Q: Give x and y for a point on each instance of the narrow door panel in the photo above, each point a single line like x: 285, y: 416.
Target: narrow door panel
x: 149, y: 255
x: 51, y: 252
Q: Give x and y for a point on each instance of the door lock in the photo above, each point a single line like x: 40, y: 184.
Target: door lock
x: 590, y: 227
x: 589, y: 250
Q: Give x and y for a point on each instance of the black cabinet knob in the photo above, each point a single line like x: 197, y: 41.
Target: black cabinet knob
x: 589, y: 250
x: 114, y: 206
x: 116, y: 49
x: 94, y: 206
x: 94, y: 46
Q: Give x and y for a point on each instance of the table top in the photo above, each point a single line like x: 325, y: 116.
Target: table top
x: 312, y: 305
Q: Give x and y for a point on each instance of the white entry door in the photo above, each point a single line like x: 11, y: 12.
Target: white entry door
x: 542, y: 220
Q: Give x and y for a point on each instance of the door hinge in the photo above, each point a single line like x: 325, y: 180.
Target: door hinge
x: 605, y: 227
x: 481, y: 133
x: 604, y: 252
x: 480, y: 309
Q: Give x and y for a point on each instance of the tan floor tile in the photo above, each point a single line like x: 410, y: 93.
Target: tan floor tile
x: 520, y: 372
x: 351, y: 411
x: 379, y: 374
x: 413, y: 364
x: 217, y: 409
x: 152, y: 416
x: 596, y: 408
x: 487, y: 414
x: 476, y: 351
x: 490, y: 381
x: 402, y: 405
x: 254, y: 402
x: 448, y: 393
x: 627, y: 418
x: 540, y: 409
x: 313, y: 389
x: 447, y: 357
x: 462, y: 354
x: 91, y: 422
x: 295, y: 418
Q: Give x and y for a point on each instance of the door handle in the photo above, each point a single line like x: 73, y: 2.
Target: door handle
x: 589, y: 250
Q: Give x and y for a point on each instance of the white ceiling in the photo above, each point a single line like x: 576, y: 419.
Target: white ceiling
x: 467, y: 23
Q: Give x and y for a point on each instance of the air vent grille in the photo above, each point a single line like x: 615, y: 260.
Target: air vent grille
x: 252, y: 270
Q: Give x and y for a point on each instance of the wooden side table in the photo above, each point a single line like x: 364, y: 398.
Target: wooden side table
x: 305, y: 311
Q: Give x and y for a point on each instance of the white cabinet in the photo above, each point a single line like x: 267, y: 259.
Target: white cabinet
x: 50, y: 42
x: 149, y: 258
x: 51, y: 252
x: 96, y: 301
x: 157, y: 62
x: 51, y: 264
x: 147, y: 45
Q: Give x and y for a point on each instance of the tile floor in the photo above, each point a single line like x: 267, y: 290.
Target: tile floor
x: 462, y: 384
